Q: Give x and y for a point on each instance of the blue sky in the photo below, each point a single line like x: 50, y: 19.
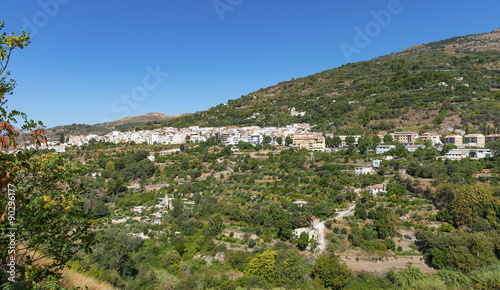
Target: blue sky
x: 94, y: 61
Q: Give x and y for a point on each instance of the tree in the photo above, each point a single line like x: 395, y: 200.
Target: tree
x: 110, y: 167
x: 331, y: 271
x: 263, y: 265
x: 288, y: 141
x: 267, y: 140
x: 214, y: 226
x: 226, y: 151
x: 115, y: 186
x: 469, y: 203
x: 61, y: 138
x: 336, y: 141
x: 172, y: 257
x: 495, y: 147
x: 288, y: 268
x: 100, y: 210
x: 303, y: 241
x: 388, y: 139
x: 279, y: 140
x: 40, y: 189
x: 350, y: 140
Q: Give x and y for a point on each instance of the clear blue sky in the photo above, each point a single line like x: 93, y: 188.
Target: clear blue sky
x: 85, y: 56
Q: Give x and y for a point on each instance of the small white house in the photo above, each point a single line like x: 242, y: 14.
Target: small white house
x: 413, y: 148
x: 300, y: 203
x: 363, y: 170
x: 138, y: 209
x: 457, y: 154
x: 381, y: 149
x: 377, y: 189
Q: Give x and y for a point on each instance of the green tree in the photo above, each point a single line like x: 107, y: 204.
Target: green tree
x: 115, y: 186
x: 303, y: 241
x: 288, y: 268
x: 336, y: 141
x: 61, y: 137
x: 263, y: 265
x: 49, y: 205
x: 110, y: 167
x: 329, y: 269
x: 279, y: 140
x: 226, y: 151
x: 100, y: 210
x: 495, y: 147
x: 388, y: 139
x: 214, y: 226
x: 288, y: 141
x: 329, y: 141
x: 349, y: 140
x: 267, y: 140
x: 172, y: 257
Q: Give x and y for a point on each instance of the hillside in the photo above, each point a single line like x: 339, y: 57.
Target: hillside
x: 453, y: 82
x: 103, y: 128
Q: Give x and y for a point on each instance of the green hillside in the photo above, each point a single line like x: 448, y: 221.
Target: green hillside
x: 400, y: 90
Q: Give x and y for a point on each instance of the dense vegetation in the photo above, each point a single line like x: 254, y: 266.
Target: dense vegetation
x: 239, y: 229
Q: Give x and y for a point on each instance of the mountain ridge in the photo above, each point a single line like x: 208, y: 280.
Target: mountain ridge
x: 125, y: 123
x: 452, y: 82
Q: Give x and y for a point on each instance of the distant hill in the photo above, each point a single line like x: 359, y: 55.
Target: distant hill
x: 126, y: 123
x: 149, y: 117
x: 453, y: 82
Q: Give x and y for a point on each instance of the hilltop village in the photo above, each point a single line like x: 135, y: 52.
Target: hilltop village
x: 295, y: 135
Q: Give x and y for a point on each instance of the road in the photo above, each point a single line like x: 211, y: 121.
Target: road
x: 321, y: 226
x: 347, y: 212
x: 321, y: 236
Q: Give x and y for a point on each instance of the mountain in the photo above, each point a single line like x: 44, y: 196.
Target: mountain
x: 453, y: 82
x: 126, y: 123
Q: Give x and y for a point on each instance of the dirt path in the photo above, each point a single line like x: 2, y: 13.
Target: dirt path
x: 321, y: 236
x: 347, y: 212
x: 384, y: 266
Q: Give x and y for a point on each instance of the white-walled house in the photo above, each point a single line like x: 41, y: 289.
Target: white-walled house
x: 363, y: 170
x: 457, y: 154
x: 381, y: 149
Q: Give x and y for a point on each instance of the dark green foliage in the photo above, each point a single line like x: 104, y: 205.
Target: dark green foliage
x: 303, y: 241
x: 460, y: 250
x: 100, y: 210
x: 331, y: 271
x: 214, y: 227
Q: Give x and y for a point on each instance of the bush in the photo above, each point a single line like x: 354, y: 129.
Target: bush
x: 390, y: 244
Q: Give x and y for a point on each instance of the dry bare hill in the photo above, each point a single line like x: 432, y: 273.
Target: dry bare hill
x: 149, y: 117
x: 126, y: 123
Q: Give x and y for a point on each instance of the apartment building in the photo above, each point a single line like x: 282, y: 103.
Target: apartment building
x: 405, y: 137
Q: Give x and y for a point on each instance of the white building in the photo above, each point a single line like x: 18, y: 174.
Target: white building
x: 381, y: 149
x: 377, y: 189
x: 363, y: 170
x: 457, y: 154
x: 300, y: 203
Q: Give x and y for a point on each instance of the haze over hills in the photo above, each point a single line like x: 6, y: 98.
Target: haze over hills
x: 451, y: 82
